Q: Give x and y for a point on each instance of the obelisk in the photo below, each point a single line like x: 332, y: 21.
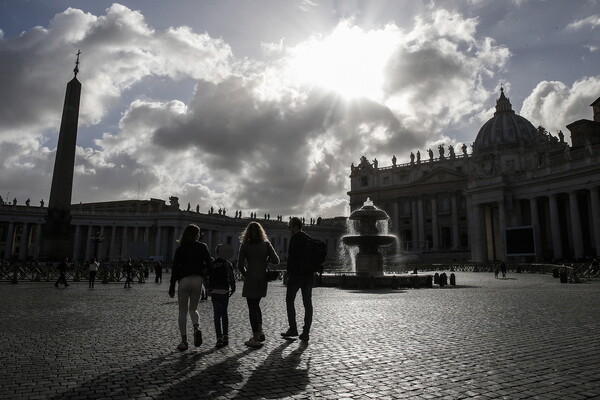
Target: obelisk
x: 57, y: 239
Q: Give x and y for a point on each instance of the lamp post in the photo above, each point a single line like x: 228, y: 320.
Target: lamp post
x: 97, y: 239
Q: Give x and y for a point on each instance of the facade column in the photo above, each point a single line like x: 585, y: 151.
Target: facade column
x: 38, y: 241
x: 576, y: 225
x: 88, y: 243
x: 24, y: 241
x: 595, y: 206
x: 475, y: 230
x: 502, y: 230
x: 113, y: 238
x: 9, y: 240
x: 415, y: 222
x: 396, y: 220
x: 136, y: 232
x: 455, y: 229
x: 124, y: 244
x: 76, y: 242
x: 555, y: 227
x: 421, y: 222
x: 535, y: 221
x: 435, y: 235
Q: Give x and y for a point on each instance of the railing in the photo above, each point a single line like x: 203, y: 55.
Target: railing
x: 47, y: 272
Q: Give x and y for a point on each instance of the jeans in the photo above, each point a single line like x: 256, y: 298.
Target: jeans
x: 255, y: 313
x: 220, y: 303
x: 92, y: 278
x: 304, y: 283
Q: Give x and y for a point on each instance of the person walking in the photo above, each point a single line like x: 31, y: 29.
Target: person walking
x: 93, y: 270
x: 128, y: 270
x: 158, y: 272
x: 255, y: 253
x: 299, y: 278
x: 62, y: 273
x: 189, y: 268
x: 221, y: 286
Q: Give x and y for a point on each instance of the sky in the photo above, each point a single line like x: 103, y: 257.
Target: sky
x: 262, y: 106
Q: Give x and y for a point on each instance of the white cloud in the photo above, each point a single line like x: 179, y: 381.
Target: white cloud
x: 554, y: 105
x: 592, y: 21
x: 254, y: 136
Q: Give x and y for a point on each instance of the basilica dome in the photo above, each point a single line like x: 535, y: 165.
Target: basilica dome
x: 504, y: 128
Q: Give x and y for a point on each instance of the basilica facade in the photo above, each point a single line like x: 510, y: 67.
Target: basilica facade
x: 521, y: 194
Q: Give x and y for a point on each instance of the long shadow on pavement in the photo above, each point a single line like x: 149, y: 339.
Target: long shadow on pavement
x: 277, y: 375
x: 145, y: 377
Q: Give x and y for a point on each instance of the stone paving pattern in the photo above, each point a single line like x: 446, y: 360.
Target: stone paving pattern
x: 524, y: 337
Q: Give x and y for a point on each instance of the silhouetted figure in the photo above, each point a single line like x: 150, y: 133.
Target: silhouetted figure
x: 418, y: 156
x: 394, y: 160
x: 158, y: 272
x: 503, y: 270
x: 412, y: 158
x: 128, y: 270
x: 42, y: 203
x: 62, y: 271
x: 15, y: 201
x: 93, y: 270
x: 27, y: 202
x: 221, y: 285
x: 430, y: 154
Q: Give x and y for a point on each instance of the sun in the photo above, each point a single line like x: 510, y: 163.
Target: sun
x: 349, y: 61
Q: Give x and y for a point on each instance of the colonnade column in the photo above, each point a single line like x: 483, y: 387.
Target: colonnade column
x: 88, y: 243
x: 415, y: 221
x: 555, y: 227
x: 157, y: 242
x: 434, y: 224
x: 176, y: 235
x: 9, y: 240
x: 101, y: 245
x: 535, y: 221
x: 113, y: 238
x: 455, y: 230
x: 576, y: 225
x: 38, y: 241
x: 124, y: 243
x: 24, y: 241
x: 76, y: 242
x: 595, y: 199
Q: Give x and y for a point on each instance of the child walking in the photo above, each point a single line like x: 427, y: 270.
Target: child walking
x: 221, y: 285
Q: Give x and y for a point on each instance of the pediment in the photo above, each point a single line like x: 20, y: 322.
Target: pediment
x: 442, y: 175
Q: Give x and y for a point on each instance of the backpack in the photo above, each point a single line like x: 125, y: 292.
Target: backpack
x: 316, y: 252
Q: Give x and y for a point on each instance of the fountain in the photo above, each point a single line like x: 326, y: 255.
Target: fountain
x: 369, y: 260
x: 367, y: 230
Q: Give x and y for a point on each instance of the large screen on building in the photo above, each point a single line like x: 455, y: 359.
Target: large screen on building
x: 520, y: 241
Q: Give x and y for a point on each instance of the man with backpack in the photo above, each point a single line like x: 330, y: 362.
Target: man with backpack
x: 300, y: 277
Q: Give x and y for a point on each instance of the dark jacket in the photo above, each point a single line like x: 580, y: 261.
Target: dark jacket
x: 220, y: 275
x: 296, y: 263
x: 191, y: 258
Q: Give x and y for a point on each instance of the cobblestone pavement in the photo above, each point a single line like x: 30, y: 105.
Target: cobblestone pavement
x: 524, y: 337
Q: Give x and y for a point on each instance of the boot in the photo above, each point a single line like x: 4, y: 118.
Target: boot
x: 254, y: 340
x: 261, y: 335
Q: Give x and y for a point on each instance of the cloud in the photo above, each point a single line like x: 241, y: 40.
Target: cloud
x: 256, y: 135
x: 592, y: 21
x: 554, y: 105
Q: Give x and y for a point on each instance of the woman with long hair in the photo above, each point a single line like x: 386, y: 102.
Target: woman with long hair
x: 255, y: 252
x: 189, y: 268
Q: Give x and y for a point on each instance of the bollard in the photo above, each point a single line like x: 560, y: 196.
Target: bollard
x: 563, y: 276
x: 436, y: 278
x: 443, y: 279
x: 555, y: 272
x: 452, y: 279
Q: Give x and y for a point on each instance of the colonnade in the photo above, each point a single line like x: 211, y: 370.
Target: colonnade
x: 566, y: 225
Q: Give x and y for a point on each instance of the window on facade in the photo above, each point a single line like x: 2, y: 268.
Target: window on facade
x: 364, y: 180
x: 386, y: 180
x: 445, y: 204
x: 229, y: 240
